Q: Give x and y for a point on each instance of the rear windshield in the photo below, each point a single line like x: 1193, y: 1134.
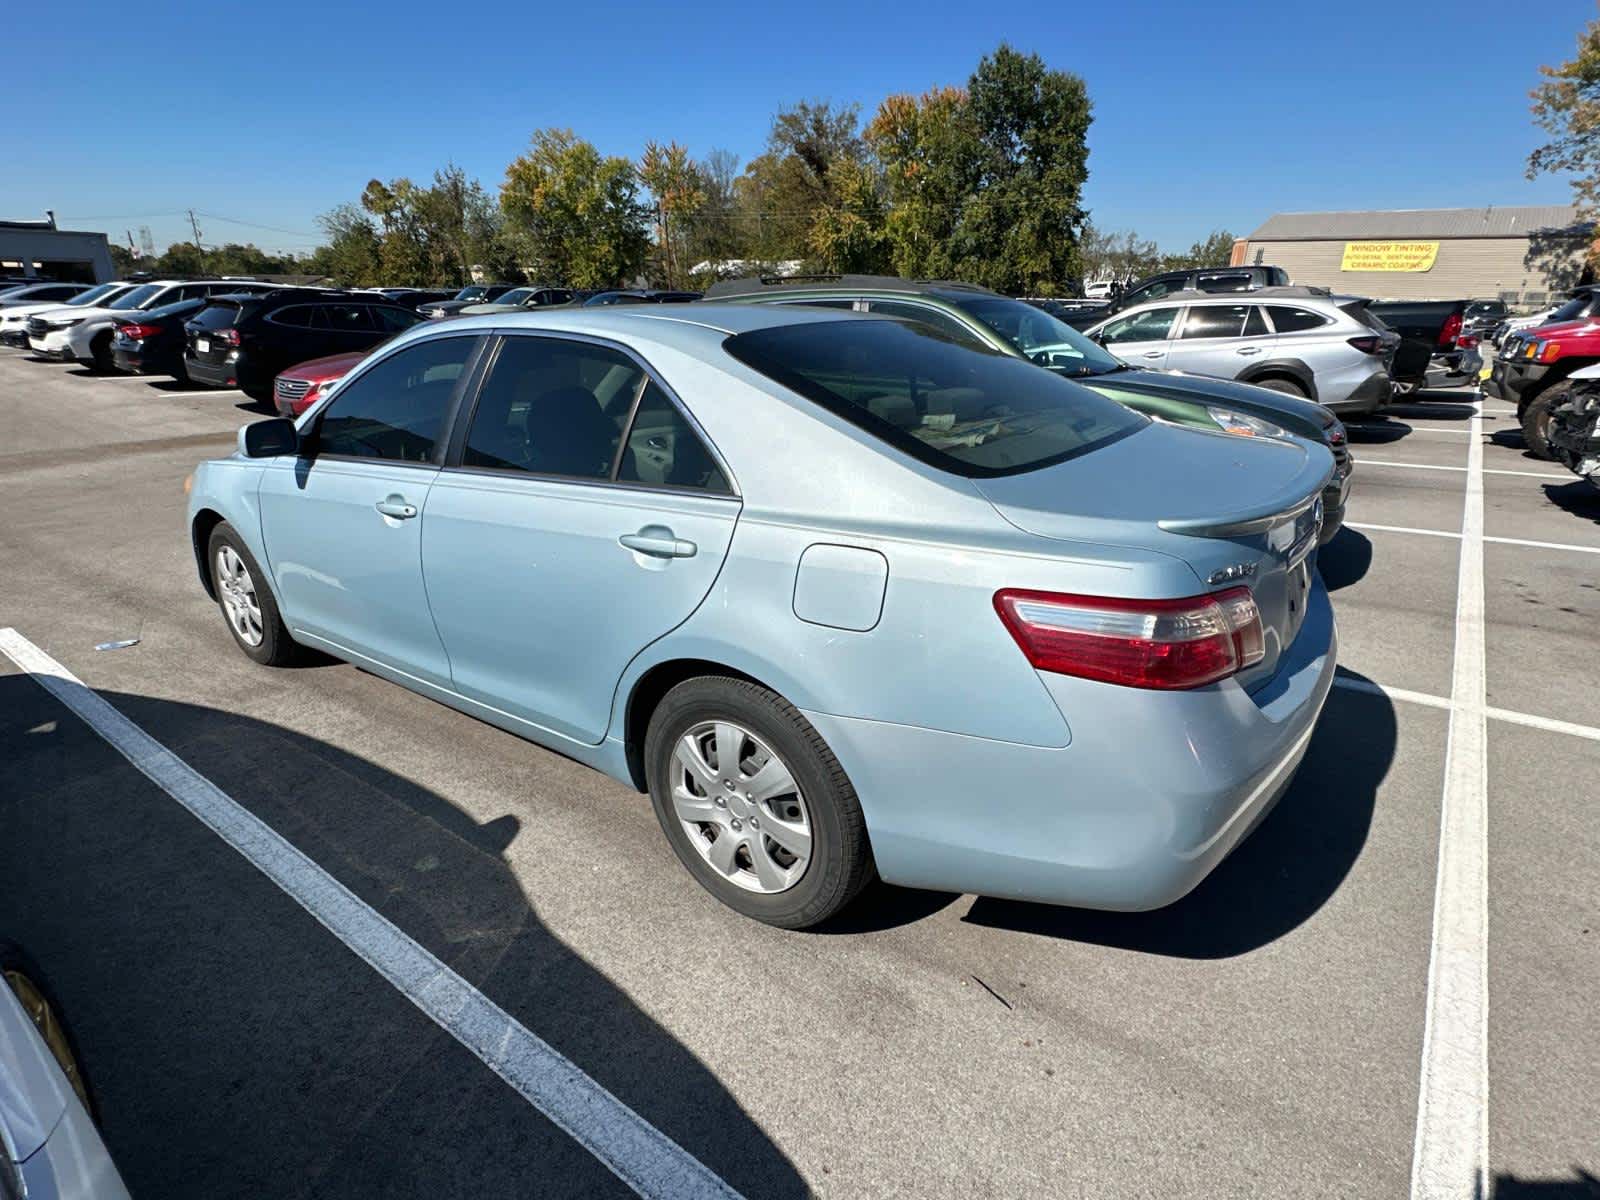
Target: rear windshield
x: 217, y: 315
x: 960, y: 408
x: 1358, y: 310
x: 172, y: 310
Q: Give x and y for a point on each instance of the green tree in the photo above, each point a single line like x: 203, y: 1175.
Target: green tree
x: 1213, y: 250
x: 848, y: 233
x: 717, y: 230
x: 678, y: 186
x: 932, y: 160
x: 351, y: 255
x: 576, y: 214
x: 1567, y: 106
x: 784, y: 193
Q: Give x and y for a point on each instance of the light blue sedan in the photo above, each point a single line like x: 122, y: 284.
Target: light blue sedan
x: 845, y: 597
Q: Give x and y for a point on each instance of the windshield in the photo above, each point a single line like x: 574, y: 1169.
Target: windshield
x: 1569, y: 310
x: 94, y: 293
x: 1040, y: 336
x: 136, y: 297
x: 472, y: 293
x: 951, y: 404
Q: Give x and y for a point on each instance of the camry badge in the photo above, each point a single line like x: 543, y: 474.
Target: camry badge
x: 1228, y: 574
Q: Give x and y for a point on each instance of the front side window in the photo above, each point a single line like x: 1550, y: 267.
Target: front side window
x: 394, y: 411
x: 663, y: 450
x: 1216, y: 321
x: 347, y: 318
x: 1152, y: 325
x: 1153, y: 290
x: 968, y: 411
x: 553, y: 407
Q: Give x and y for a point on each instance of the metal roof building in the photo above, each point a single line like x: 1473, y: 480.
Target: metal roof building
x: 1520, y: 254
x: 37, y: 249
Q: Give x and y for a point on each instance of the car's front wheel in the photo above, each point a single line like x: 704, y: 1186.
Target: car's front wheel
x: 247, y: 604
x: 1535, y: 418
x: 1277, y: 383
x: 754, y: 803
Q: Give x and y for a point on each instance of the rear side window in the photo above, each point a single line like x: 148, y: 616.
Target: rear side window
x: 216, y: 316
x: 663, y: 450
x: 553, y: 407
x: 347, y: 317
x: 1216, y: 321
x: 1359, y: 311
x: 968, y: 411
x: 1293, y: 320
x: 394, y: 411
x: 393, y: 320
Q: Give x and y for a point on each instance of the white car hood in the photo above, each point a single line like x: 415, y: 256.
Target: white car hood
x: 79, y: 313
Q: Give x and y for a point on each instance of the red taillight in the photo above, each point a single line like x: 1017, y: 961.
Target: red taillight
x: 1136, y: 643
x: 139, y: 332
x: 1450, y: 330
x: 228, y: 337
x: 1467, y: 341
x: 1367, y: 344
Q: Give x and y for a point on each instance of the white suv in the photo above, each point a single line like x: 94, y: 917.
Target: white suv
x: 1296, y: 340
x: 14, y: 320
x: 84, y: 334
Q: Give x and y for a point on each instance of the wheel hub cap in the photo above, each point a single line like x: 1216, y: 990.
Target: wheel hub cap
x: 740, y: 806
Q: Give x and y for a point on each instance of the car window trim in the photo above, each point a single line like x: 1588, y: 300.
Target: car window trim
x: 452, y: 406
x: 466, y: 411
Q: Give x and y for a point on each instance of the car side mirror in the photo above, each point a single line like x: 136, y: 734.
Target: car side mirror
x: 268, y: 439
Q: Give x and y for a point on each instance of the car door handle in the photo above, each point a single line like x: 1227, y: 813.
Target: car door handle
x: 1154, y: 353
x: 658, y: 542
x: 1248, y: 350
x: 396, y: 507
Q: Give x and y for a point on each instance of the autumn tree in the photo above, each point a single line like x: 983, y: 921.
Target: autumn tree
x: 1567, y: 107
x: 576, y: 214
x: 678, y: 187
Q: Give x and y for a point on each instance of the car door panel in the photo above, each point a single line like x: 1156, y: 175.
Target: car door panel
x: 540, y: 602
x: 1142, y: 339
x: 347, y: 571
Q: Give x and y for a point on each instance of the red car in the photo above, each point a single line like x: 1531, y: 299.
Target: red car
x: 298, y: 388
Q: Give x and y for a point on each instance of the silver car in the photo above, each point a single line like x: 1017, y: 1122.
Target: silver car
x: 1290, y: 339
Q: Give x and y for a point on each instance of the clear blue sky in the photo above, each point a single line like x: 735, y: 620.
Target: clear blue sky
x: 1206, y: 115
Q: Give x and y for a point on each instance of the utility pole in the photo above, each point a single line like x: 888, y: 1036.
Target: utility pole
x: 196, y: 228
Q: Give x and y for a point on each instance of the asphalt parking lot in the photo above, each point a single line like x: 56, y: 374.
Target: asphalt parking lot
x: 1267, y: 1036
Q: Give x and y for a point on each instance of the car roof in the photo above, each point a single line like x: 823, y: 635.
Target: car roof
x: 678, y: 323
x: 778, y: 285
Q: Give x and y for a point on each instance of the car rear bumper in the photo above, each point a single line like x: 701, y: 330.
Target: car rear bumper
x: 217, y: 375
x: 1369, y: 395
x: 1154, y: 790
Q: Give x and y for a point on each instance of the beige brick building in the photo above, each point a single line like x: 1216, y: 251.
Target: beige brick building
x: 1521, y: 255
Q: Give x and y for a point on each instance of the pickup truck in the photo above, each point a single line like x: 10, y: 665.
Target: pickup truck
x: 1533, y: 370
x: 1429, y: 353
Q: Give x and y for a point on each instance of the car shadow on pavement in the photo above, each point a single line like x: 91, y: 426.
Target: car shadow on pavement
x: 240, y: 1050
x: 1511, y: 438
x: 1582, y: 1186
x: 1376, y: 431
x: 1346, y: 559
x: 1578, y: 498
x: 1432, y: 410
x: 1278, y: 877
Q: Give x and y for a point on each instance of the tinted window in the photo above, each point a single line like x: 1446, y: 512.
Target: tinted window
x: 553, y: 407
x: 393, y: 320
x: 298, y: 316
x: 929, y: 316
x: 136, y: 297
x: 515, y: 296
x: 1152, y: 325
x: 216, y: 316
x: 1216, y: 320
x: 832, y: 303
x: 664, y: 450
x: 1292, y: 320
x: 1152, y: 291
x: 970, y: 411
x: 394, y: 411
x: 1255, y: 324
x: 1224, y: 281
x: 347, y: 318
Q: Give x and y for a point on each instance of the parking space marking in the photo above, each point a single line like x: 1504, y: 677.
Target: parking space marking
x: 1499, y: 541
x: 1378, y: 428
x: 1416, y: 466
x: 1507, y: 715
x: 638, y: 1153
x: 1450, y: 1158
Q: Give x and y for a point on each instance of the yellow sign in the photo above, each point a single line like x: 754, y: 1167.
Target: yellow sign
x: 1389, y: 256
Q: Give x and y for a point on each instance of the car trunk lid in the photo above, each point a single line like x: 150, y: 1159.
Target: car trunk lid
x: 1236, y: 510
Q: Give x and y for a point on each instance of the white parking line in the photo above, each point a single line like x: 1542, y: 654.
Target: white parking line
x: 639, y: 1154
x: 1450, y: 1159
x: 1415, y: 466
x: 1506, y: 715
x: 1499, y: 541
x: 1379, y: 428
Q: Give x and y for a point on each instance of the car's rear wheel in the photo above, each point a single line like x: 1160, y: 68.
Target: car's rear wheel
x: 22, y: 976
x: 247, y: 604
x: 1535, y: 418
x: 1277, y: 383
x: 754, y: 803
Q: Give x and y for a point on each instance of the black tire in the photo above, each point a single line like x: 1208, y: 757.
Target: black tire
x: 840, y: 863
x: 181, y: 374
x: 100, y: 354
x: 1535, y: 418
x: 1288, y: 387
x: 276, y: 648
x: 22, y: 975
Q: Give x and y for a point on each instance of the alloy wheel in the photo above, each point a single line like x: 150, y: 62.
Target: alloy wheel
x: 237, y: 590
